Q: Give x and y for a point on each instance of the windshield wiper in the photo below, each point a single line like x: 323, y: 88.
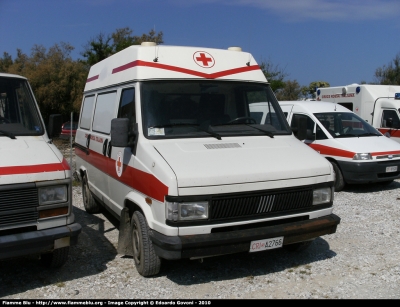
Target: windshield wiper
x: 9, y: 134
x: 269, y: 133
x: 370, y: 134
x: 212, y: 133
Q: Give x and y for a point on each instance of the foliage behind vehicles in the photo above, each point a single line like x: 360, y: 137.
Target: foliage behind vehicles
x: 56, y: 79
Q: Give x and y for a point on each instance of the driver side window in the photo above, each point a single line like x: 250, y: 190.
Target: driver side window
x: 390, y: 116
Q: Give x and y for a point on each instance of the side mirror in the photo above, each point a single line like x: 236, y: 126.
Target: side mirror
x: 119, y: 132
x: 54, y: 127
x: 121, y: 136
x: 301, y: 127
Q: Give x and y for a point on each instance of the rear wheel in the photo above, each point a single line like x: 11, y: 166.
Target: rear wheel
x: 56, y: 258
x: 339, y: 181
x: 90, y: 204
x: 146, y: 261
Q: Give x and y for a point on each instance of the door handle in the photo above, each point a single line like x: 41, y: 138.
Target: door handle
x: 105, y: 147
x: 88, y: 141
x: 109, y: 148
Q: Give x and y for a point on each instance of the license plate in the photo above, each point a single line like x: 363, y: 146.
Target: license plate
x: 262, y: 245
x: 391, y: 169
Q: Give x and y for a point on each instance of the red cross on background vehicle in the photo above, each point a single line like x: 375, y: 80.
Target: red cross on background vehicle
x: 203, y: 59
x: 118, y: 164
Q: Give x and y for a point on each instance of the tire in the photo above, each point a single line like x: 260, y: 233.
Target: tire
x: 90, y: 204
x: 55, y: 259
x: 339, y: 181
x: 147, y: 263
x: 298, y: 247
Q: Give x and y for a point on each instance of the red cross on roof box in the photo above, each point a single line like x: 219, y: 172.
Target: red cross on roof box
x: 203, y: 59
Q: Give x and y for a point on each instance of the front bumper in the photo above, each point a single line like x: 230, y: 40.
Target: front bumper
x: 36, y: 242
x: 368, y: 172
x: 213, y: 244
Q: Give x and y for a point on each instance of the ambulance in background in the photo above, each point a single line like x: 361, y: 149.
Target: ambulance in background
x: 167, y: 144
x: 36, y: 213
x: 357, y: 151
x: 376, y: 104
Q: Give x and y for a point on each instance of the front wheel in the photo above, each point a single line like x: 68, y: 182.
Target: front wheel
x: 146, y: 261
x: 339, y: 181
x: 90, y: 204
x: 56, y: 258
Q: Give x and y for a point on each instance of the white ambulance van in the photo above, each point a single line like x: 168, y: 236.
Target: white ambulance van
x: 166, y: 143
x: 358, y: 152
x: 377, y: 104
x: 36, y: 216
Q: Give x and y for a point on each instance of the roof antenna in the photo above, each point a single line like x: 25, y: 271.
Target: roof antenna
x: 156, y: 48
x: 248, y: 63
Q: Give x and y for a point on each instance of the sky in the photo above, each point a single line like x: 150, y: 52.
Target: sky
x: 339, y: 42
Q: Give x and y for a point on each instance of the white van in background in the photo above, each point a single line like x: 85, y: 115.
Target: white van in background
x: 166, y: 143
x: 379, y: 105
x: 358, y: 152
x: 36, y: 214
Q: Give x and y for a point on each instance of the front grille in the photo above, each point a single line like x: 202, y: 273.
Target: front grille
x: 387, y: 157
x: 260, y: 204
x: 18, y: 206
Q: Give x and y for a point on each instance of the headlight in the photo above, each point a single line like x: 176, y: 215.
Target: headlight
x: 53, y: 194
x: 186, y: 211
x: 322, y: 196
x: 362, y: 156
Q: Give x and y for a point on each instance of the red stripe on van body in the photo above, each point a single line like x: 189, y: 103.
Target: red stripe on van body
x: 31, y: 169
x: 141, y: 181
x: 184, y: 70
x: 331, y: 151
x: 92, y: 78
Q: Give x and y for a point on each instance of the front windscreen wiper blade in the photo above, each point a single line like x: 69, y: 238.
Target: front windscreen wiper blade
x: 370, y: 134
x: 7, y: 133
x: 269, y: 133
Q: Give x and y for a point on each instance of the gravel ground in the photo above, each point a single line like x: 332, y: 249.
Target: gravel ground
x: 359, y: 261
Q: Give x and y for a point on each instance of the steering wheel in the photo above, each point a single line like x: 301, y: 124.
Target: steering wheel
x: 244, y: 118
x: 4, y: 120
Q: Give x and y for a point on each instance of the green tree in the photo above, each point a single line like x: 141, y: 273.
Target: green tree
x: 97, y: 49
x: 313, y: 87
x: 274, y: 74
x: 389, y: 74
x: 291, y: 91
x: 57, y: 80
x: 5, y: 62
x: 102, y: 46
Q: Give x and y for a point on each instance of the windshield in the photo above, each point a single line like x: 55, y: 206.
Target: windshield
x: 346, y: 124
x: 173, y: 109
x: 18, y: 112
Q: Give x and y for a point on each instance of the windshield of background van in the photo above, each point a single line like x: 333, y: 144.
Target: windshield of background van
x: 346, y: 125
x: 18, y: 113
x: 175, y: 109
